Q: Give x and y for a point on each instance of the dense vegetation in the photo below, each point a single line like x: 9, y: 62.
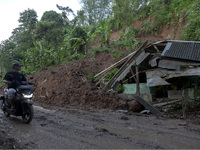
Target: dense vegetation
x: 55, y: 39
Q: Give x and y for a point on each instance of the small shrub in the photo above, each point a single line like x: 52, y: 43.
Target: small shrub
x: 117, y: 54
x: 90, y: 76
x: 120, y: 88
x: 111, y: 73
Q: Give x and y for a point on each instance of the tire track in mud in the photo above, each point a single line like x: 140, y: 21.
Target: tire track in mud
x: 75, y: 128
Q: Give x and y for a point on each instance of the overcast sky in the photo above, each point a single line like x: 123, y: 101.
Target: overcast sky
x: 10, y: 9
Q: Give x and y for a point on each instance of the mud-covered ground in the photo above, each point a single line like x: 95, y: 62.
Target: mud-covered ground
x: 54, y: 127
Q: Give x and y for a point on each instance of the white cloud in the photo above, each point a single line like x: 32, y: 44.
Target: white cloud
x: 10, y: 10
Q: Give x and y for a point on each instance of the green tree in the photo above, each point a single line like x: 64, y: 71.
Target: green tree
x: 80, y: 19
x: 125, y: 11
x: 96, y: 10
x: 50, y: 16
x: 28, y: 20
x: 66, y: 11
x: 7, y: 55
x: 50, y: 31
x: 23, y: 34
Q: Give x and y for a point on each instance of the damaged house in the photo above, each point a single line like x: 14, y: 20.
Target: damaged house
x: 160, y: 69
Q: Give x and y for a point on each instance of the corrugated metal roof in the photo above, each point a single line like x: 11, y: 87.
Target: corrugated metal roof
x: 187, y: 51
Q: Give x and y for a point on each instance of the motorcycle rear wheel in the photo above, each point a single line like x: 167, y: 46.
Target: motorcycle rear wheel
x: 27, y: 116
x: 5, y: 112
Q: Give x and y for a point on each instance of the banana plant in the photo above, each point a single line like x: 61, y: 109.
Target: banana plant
x: 103, y: 30
x: 74, y: 41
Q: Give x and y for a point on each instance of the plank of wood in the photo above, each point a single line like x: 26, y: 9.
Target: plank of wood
x: 165, y: 103
x: 115, y: 64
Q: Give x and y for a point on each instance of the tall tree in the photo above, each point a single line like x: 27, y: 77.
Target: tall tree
x: 96, y: 10
x: 66, y: 12
x: 23, y: 35
x: 28, y: 20
x: 7, y: 55
x: 125, y: 11
x: 52, y: 16
x: 80, y: 19
x: 50, y: 31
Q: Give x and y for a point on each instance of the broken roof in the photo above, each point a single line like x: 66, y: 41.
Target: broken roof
x: 159, y: 55
x: 187, y: 51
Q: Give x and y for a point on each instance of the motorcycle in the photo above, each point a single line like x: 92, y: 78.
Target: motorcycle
x: 23, y: 101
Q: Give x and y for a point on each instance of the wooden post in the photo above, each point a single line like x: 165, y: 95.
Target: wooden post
x: 137, y: 81
x: 183, y: 105
x: 195, y: 87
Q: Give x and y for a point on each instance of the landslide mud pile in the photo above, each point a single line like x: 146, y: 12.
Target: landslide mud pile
x: 68, y: 84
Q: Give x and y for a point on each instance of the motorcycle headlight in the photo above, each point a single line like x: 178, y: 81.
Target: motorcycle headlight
x: 27, y: 96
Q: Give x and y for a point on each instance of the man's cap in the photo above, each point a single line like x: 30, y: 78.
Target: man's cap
x: 17, y: 65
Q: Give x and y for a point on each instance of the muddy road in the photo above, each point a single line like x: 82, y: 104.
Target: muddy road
x: 74, y: 128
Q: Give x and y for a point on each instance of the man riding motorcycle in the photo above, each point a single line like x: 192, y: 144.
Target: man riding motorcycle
x: 13, y: 80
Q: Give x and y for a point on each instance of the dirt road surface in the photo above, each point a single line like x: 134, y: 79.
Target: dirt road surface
x: 93, y: 129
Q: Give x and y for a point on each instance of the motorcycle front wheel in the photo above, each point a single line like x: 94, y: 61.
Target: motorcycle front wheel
x: 3, y: 109
x: 27, y: 115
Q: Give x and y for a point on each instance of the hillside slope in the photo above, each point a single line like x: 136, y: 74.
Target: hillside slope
x: 168, y: 32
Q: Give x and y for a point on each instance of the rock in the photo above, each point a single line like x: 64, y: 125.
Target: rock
x: 135, y: 106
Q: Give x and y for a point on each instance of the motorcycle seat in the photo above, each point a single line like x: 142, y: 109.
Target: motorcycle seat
x: 25, y: 87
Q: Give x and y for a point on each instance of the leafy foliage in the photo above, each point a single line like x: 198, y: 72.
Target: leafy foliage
x: 66, y: 11
x: 128, y: 39
x: 111, y: 73
x: 117, y: 54
x: 22, y: 35
x: 7, y: 55
x: 125, y: 12
x: 193, y: 24
x: 75, y: 40
x: 96, y: 10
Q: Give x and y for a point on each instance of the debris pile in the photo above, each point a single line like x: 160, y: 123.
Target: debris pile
x: 68, y: 84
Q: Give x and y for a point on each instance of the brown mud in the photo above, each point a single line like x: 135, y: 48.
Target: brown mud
x: 75, y: 128
x: 72, y: 84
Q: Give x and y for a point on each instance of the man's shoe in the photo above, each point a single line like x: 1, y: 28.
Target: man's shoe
x: 13, y: 110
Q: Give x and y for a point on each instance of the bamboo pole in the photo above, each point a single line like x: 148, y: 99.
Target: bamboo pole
x: 137, y: 82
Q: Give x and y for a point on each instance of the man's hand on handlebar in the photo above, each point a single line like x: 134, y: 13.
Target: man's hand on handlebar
x: 7, y: 82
